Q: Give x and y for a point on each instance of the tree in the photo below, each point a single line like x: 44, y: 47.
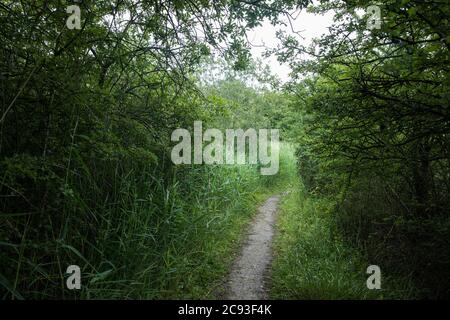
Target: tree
x: 381, y: 96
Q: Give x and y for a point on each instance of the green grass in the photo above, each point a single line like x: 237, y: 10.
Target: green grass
x: 185, y: 251
x: 205, y: 220
x: 141, y: 235
x: 313, y: 262
x: 148, y: 236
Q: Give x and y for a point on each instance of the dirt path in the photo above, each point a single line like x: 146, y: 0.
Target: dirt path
x: 247, y: 274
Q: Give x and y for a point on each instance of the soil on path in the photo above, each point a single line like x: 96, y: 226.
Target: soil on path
x: 246, y: 281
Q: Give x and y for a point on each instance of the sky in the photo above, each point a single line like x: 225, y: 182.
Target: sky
x: 308, y: 24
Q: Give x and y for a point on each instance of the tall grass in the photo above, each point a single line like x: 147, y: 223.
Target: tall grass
x: 312, y: 261
x: 136, y: 230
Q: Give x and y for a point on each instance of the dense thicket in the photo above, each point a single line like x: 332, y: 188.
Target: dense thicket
x: 85, y: 123
x: 377, y: 132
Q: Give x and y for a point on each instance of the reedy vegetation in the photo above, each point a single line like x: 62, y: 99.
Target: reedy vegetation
x: 86, y: 178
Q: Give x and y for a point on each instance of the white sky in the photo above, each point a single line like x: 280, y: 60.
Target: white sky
x: 308, y: 24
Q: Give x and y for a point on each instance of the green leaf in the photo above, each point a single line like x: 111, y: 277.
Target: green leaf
x: 100, y: 276
x: 412, y: 11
